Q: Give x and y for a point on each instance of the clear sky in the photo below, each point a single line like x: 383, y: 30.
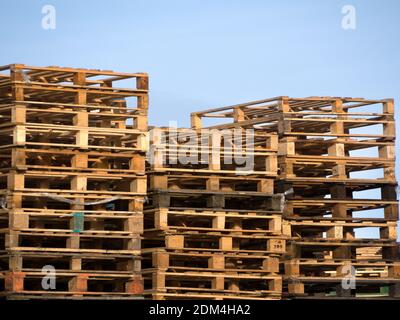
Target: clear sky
x: 209, y: 53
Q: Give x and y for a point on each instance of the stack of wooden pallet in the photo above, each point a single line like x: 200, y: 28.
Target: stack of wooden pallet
x: 336, y: 162
x: 212, y: 228
x: 73, y: 182
x: 292, y: 187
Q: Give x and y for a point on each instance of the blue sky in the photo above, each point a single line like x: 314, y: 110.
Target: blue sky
x: 203, y: 54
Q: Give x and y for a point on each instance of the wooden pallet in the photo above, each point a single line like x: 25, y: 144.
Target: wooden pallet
x: 212, y: 182
x: 219, y: 285
x: 325, y: 206
x: 340, y: 229
x: 82, y: 262
x: 90, y: 241
x: 331, y: 288
x: 55, y: 181
x: 114, y: 116
x: 63, y: 160
x: 224, y: 221
x: 314, y: 167
x: 306, y: 187
x: 203, y: 199
x: 72, y: 284
x: 326, y: 146
x: 70, y: 85
x: 206, y: 152
x: 73, y: 137
x: 215, y: 242
x: 335, y: 268
x: 299, y: 116
x: 188, y: 260
x: 313, y: 247
x: 60, y: 218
